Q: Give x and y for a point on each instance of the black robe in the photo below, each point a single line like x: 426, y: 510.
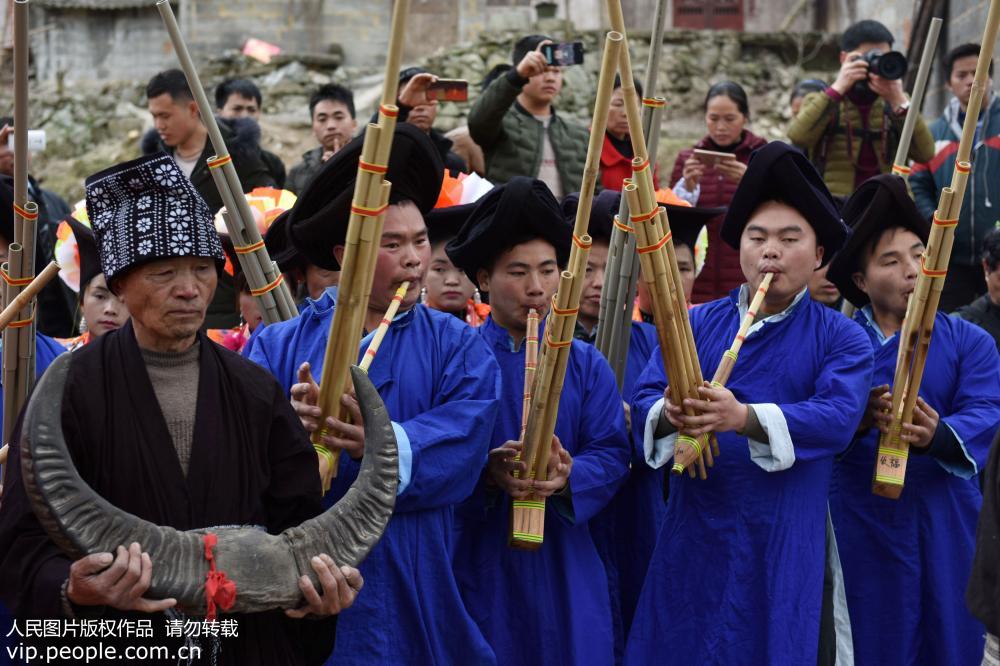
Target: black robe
x: 983, y: 594
x: 251, y: 464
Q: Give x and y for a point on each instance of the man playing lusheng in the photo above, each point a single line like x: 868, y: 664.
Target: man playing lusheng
x: 440, y: 387
x: 550, y: 606
x: 906, y: 560
x: 171, y: 428
x: 737, y: 573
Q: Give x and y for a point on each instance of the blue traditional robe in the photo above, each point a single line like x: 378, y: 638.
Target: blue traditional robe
x: 625, y: 531
x: 548, y: 606
x: 441, y: 388
x: 906, y: 561
x: 46, y: 350
x: 737, y: 572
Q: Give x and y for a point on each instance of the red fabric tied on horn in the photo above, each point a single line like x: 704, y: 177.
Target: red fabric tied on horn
x: 219, y: 590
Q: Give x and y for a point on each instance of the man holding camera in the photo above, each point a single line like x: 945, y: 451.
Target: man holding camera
x: 517, y: 127
x: 851, y: 130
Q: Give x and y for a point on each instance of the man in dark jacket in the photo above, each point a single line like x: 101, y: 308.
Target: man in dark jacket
x: 241, y: 98
x: 981, y: 206
x: 423, y: 116
x: 518, y: 129
x: 331, y: 109
x: 985, y: 310
x: 181, y: 134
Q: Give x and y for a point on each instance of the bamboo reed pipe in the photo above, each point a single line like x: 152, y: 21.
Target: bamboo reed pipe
x: 728, y: 361
x: 383, y: 326
x: 914, y: 338
x: 899, y: 166
x: 10, y: 347
x: 23, y: 300
x: 530, y: 365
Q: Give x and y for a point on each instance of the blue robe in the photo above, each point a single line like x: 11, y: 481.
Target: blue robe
x: 548, y: 606
x: 906, y: 561
x: 625, y: 531
x: 46, y: 350
x: 737, y: 572
x: 441, y: 387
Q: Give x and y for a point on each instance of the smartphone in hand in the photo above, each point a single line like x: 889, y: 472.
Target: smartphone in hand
x: 564, y: 54
x: 712, y: 158
x: 449, y: 90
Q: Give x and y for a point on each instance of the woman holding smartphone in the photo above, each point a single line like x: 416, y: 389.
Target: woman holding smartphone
x: 707, y: 175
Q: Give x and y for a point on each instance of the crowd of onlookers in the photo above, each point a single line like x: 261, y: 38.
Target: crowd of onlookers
x: 849, y: 129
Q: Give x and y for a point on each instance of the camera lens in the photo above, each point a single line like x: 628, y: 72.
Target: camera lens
x: 890, y: 65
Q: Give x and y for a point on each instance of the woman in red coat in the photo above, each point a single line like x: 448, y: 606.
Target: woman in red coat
x: 616, y: 154
x: 708, y: 183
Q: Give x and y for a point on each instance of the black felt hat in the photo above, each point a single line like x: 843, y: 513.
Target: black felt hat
x: 780, y: 172
x: 686, y: 222
x: 279, y: 245
x: 881, y: 203
x: 521, y: 210
x: 318, y: 220
x: 90, y: 256
x: 444, y: 223
x: 602, y: 212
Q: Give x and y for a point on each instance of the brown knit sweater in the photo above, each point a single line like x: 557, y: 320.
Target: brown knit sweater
x: 175, y: 381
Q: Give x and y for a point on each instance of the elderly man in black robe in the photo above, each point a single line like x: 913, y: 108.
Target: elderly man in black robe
x: 174, y: 429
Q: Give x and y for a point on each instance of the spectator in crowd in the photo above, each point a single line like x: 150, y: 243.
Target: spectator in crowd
x: 710, y: 183
x: 241, y: 98
x: 462, y: 142
x: 516, y: 124
x: 616, y: 154
x: 985, y: 310
x: 424, y: 114
x: 981, y: 206
x: 331, y: 109
x: 800, y: 91
x: 180, y: 132
x: 57, y: 303
x: 851, y: 130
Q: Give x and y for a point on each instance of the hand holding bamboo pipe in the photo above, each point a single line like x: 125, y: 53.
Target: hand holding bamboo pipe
x: 685, y: 455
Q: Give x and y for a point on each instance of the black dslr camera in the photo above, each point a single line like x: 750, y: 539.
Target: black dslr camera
x: 890, y: 66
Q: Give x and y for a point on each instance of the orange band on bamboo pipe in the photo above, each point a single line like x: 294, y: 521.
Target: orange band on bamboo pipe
x: 656, y: 246
x: 654, y: 102
x: 369, y: 212
x: 963, y: 167
x: 21, y: 323
x: 645, y: 217
x: 565, y: 313
x: 373, y: 168
x: 929, y: 273
x: 944, y: 222
x: 556, y: 345
x: 901, y: 170
x: 16, y: 282
x: 387, y: 111
x: 248, y: 249
x: 219, y: 161
x: 636, y: 168
x: 580, y: 243
x: 24, y: 213
x: 269, y: 288
x: 627, y: 228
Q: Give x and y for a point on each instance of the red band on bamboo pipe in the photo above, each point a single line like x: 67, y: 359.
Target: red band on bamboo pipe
x: 556, y: 345
x: 247, y: 249
x: 659, y: 244
x: 219, y: 161
x: 580, y: 243
x: 963, y: 167
x: 371, y: 351
x: 16, y: 282
x: 741, y: 338
x: 624, y: 227
x: 654, y: 102
x: 25, y: 214
x: 929, y: 273
x: 636, y: 168
x: 752, y: 313
x: 900, y: 170
x: 369, y: 212
x: 371, y: 167
x: 944, y: 223
x: 645, y: 217
x: 269, y: 288
x: 570, y: 311
x: 387, y: 111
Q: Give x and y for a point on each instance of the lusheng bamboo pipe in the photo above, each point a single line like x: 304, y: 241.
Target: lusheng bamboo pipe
x: 918, y: 325
x: 728, y: 361
x: 265, y: 281
x: 528, y: 515
x: 23, y: 299
x: 614, y: 326
x: 899, y: 165
x: 383, y: 327
x: 364, y: 231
